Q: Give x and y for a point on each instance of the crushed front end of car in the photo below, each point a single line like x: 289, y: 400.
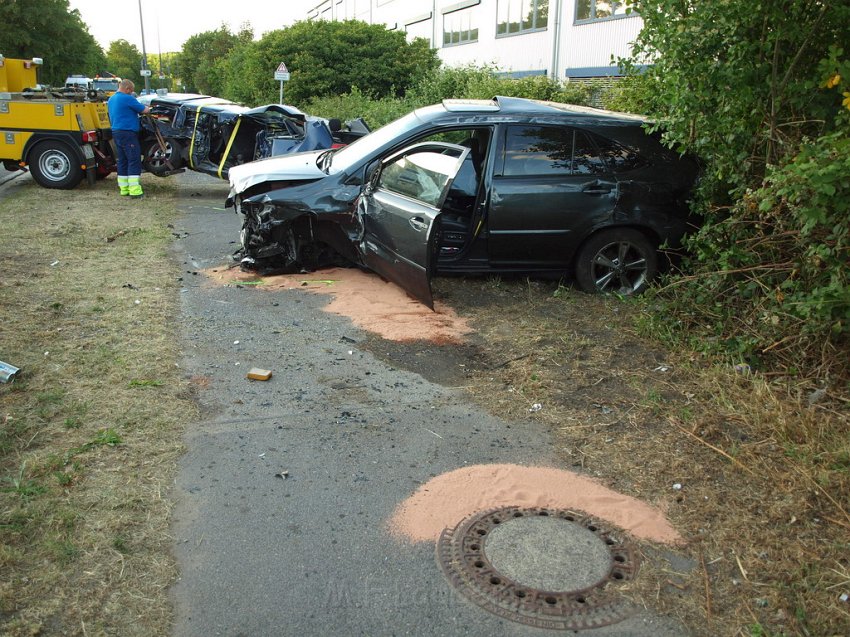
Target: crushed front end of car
x: 298, y: 229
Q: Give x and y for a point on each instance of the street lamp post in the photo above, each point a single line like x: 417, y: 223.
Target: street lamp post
x: 145, y: 72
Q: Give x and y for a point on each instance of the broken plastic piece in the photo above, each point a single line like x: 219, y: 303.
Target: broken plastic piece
x: 259, y: 374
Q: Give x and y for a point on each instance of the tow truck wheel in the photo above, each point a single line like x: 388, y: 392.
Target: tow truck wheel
x: 154, y: 159
x: 55, y: 165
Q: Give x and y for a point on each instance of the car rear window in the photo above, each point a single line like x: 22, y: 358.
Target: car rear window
x: 620, y: 157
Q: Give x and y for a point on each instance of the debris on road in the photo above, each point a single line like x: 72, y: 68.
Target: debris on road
x: 255, y: 373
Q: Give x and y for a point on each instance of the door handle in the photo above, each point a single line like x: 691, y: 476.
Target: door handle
x: 418, y: 224
x: 597, y: 188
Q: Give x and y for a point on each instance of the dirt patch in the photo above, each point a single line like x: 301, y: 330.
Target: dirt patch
x: 371, y: 303
x: 445, y: 500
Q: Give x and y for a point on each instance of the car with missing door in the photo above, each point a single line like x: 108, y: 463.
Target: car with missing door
x: 497, y: 186
x: 211, y: 135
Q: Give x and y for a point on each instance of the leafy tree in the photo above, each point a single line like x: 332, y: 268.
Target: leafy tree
x: 199, y: 63
x: 124, y: 60
x: 48, y: 29
x: 330, y: 58
x: 761, y: 92
x: 735, y: 80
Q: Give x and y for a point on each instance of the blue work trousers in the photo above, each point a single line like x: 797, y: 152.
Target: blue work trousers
x: 129, y: 152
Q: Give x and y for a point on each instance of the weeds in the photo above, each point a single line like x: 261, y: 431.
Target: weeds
x: 145, y: 383
x: 24, y: 487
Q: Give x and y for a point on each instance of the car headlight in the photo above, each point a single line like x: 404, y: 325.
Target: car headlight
x: 259, y: 210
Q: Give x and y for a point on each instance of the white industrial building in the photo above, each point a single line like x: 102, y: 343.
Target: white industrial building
x: 573, y: 39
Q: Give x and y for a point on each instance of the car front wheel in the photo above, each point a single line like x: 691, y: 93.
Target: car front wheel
x: 619, y: 260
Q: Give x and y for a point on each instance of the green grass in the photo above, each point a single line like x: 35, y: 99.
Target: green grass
x: 82, y: 445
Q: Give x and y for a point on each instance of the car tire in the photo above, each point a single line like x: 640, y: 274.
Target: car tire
x: 54, y: 164
x: 154, y: 159
x: 619, y: 260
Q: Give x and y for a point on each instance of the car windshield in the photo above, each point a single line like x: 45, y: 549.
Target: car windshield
x: 367, y: 146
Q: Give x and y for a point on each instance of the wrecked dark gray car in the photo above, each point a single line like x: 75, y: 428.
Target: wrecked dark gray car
x: 211, y: 135
x: 470, y: 186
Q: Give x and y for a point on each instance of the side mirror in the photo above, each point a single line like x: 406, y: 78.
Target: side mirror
x: 373, y: 173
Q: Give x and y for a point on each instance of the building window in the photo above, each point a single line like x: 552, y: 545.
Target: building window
x: 588, y: 10
x: 459, y: 27
x: 519, y: 16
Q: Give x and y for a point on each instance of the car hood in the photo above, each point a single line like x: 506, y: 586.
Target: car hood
x: 282, y: 168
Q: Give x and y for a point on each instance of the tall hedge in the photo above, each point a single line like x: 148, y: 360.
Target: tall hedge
x: 760, y: 91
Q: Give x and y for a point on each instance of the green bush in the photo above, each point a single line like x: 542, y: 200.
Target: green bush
x: 483, y: 82
x: 767, y: 272
x: 773, y: 282
x: 445, y: 83
x: 356, y: 104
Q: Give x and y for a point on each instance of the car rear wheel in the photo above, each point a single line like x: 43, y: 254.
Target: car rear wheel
x: 157, y: 161
x: 619, y: 260
x: 55, y: 165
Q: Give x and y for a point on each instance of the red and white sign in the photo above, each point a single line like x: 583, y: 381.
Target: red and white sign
x: 282, y: 73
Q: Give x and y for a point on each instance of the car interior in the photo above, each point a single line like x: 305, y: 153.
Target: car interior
x: 458, y: 212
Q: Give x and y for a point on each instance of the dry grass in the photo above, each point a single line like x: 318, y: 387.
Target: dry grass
x: 763, y: 495
x: 92, y: 428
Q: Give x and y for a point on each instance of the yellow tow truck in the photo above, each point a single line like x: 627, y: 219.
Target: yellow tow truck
x: 61, y: 135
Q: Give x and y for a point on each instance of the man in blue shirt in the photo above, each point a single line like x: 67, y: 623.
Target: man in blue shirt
x: 124, y: 111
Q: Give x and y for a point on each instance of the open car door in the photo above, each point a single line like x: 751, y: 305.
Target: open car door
x: 397, y: 212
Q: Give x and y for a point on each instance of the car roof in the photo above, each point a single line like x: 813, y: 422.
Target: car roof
x: 529, y: 108
x: 188, y: 98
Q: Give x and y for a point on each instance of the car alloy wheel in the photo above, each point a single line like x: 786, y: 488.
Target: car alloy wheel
x: 619, y: 261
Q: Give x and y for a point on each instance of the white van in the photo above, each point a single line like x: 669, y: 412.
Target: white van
x: 80, y: 82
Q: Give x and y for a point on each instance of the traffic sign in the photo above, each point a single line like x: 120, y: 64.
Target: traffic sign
x: 282, y: 73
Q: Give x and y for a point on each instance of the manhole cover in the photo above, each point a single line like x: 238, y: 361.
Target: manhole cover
x: 549, y: 568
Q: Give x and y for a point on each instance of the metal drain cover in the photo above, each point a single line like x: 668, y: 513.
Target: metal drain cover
x: 549, y: 568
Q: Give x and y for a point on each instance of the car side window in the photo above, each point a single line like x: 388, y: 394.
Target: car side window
x: 550, y: 150
x: 421, y: 176
x: 620, y: 158
x: 586, y: 159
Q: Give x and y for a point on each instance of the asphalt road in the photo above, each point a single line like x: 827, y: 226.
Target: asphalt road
x: 9, y: 175
x: 309, y: 554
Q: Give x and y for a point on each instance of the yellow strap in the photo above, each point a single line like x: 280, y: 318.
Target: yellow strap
x: 227, y: 150
x: 192, y: 143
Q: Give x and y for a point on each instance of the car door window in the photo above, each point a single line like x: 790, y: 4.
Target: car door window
x: 550, y: 150
x: 420, y: 175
